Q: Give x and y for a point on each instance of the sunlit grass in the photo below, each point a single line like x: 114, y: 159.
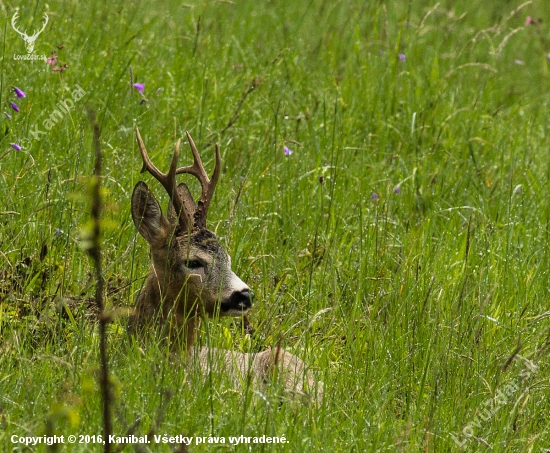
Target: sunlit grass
x: 408, y: 304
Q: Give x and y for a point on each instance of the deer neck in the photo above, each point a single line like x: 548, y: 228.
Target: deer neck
x: 162, y: 298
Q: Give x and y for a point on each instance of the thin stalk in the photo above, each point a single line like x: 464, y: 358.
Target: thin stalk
x: 95, y: 253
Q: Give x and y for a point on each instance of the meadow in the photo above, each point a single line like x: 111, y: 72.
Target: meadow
x: 382, y: 191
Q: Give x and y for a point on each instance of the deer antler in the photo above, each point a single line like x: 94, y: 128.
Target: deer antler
x: 13, y: 19
x: 168, y: 180
x: 43, y: 26
x: 207, y: 185
x: 24, y: 33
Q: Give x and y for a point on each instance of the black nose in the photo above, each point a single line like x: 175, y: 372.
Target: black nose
x: 238, y: 301
x: 249, y: 295
x: 242, y: 300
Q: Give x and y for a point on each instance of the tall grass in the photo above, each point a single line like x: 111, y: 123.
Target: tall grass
x: 401, y: 250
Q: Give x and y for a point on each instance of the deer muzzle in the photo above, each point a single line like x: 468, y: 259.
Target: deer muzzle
x: 238, y: 303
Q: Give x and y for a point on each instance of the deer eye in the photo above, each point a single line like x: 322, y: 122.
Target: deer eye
x: 193, y: 264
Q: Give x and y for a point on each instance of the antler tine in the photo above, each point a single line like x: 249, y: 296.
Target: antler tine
x: 13, y: 20
x: 168, y: 180
x: 197, y: 169
x: 43, y: 26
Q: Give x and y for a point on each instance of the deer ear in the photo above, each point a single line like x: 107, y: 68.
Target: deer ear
x: 187, y: 202
x: 147, y: 215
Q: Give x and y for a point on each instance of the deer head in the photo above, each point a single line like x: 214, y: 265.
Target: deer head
x: 191, y: 275
x: 191, y: 272
x: 29, y: 40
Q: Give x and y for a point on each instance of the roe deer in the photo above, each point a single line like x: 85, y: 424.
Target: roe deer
x: 191, y: 277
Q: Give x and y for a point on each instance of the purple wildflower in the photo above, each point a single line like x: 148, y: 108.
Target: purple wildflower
x: 397, y: 190
x: 288, y: 151
x: 7, y: 115
x: 518, y: 190
x: 530, y: 21
x: 402, y: 56
x: 20, y: 93
x: 16, y: 147
x: 548, y: 56
x: 374, y: 196
x: 14, y: 106
x: 139, y: 86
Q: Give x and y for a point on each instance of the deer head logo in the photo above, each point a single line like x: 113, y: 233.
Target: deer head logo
x: 29, y: 40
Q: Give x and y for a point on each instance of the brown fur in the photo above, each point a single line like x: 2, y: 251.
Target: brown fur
x: 191, y: 278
